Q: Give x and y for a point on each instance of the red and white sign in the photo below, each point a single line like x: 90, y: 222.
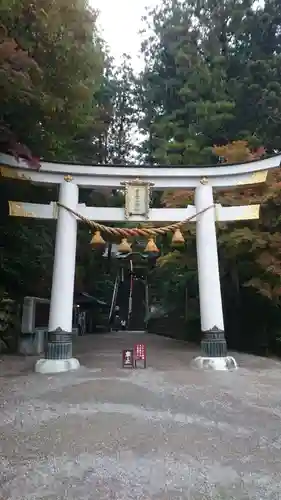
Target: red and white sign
x: 140, y: 354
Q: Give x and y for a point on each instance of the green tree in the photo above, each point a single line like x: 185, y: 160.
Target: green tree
x: 51, y: 103
x: 51, y: 76
x: 186, y: 79
x: 123, y: 117
x: 212, y: 76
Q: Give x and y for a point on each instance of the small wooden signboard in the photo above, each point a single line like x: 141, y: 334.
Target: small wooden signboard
x: 128, y: 358
x: 140, y: 355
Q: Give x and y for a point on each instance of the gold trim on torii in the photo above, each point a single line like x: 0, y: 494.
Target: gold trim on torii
x: 13, y: 173
x: 204, y: 181
x: 255, y: 178
x: 16, y: 209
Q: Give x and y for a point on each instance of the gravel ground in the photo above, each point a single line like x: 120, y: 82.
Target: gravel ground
x: 167, y: 432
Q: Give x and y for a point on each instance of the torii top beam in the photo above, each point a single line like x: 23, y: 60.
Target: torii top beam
x: 162, y: 177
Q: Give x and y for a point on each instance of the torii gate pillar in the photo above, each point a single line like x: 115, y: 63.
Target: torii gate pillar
x: 213, y: 344
x: 214, y: 354
x: 59, y: 352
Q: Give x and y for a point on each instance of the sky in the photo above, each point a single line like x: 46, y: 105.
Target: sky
x: 120, y: 22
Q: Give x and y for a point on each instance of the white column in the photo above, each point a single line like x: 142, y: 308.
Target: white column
x: 207, y: 259
x: 214, y: 355
x: 61, y: 306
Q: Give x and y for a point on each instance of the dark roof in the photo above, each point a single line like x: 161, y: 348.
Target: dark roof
x: 155, y: 165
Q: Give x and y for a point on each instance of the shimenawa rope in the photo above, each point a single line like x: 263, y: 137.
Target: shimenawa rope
x: 127, y: 232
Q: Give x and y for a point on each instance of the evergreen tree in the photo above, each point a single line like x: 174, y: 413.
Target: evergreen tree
x: 212, y: 76
x: 121, y: 134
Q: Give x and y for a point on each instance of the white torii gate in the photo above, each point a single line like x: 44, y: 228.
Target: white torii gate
x: 203, y: 179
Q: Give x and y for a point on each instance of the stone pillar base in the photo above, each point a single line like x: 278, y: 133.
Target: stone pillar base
x: 213, y: 343
x: 49, y: 366
x: 222, y: 364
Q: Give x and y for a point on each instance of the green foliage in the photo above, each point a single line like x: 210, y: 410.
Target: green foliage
x: 51, y: 77
x: 187, y: 85
x: 55, y: 102
x: 76, y: 106
x: 122, y: 91
x: 27, y: 247
x: 212, y: 77
x: 9, y: 320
